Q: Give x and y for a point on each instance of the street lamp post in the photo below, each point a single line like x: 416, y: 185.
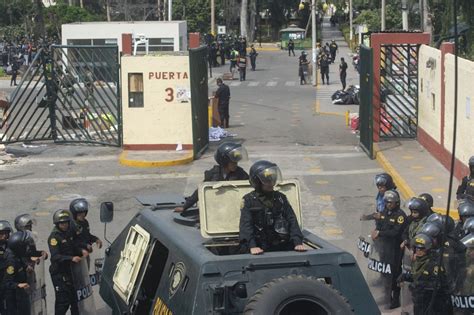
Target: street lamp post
x: 313, y: 31
x: 213, y: 17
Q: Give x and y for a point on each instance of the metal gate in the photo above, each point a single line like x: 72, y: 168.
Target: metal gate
x: 68, y: 94
x: 399, y: 90
x: 365, y: 107
x: 199, y: 99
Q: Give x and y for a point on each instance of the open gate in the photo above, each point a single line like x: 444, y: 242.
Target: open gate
x: 199, y: 99
x: 68, y: 94
x: 365, y: 107
x: 399, y: 90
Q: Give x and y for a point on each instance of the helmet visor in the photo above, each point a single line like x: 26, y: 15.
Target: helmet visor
x: 380, y: 181
x: 238, y: 154
x: 270, y: 176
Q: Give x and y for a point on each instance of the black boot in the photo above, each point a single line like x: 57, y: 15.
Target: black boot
x: 395, y: 301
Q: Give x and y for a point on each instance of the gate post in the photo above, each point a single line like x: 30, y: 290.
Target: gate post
x: 51, y: 97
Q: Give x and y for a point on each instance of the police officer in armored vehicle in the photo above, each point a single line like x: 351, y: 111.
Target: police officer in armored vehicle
x: 227, y: 156
x: 267, y: 220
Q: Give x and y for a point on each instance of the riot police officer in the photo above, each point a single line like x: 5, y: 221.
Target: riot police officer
x: 383, y: 182
x: 79, y: 208
x: 419, y: 214
x: 428, y: 277
x: 227, y: 156
x: 429, y: 200
x: 5, y: 230
x: 24, y: 222
x: 267, y: 220
x: 453, y: 251
x: 465, y: 210
x: 64, y: 251
x: 466, y: 188
x: 388, y: 232
x: 15, y: 278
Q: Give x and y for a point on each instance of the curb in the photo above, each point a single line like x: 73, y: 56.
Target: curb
x: 405, y: 189
x: 149, y: 164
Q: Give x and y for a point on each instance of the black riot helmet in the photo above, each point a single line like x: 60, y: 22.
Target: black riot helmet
x: 79, y: 205
x: 440, y: 221
x: 61, y: 216
x: 18, y: 243
x: 24, y: 222
x: 230, y: 152
x: 428, y: 198
x: 422, y: 241
x: 264, y: 172
x: 466, y: 209
x: 392, y: 196
x: 431, y: 229
x: 419, y: 205
x: 468, y: 226
x: 5, y: 227
x: 385, y: 180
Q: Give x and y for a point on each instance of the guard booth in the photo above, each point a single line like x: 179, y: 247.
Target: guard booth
x: 296, y: 34
x: 165, y: 101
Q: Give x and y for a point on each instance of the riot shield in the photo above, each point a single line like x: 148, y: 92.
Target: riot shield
x: 377, y: 262
x: 406, y: 298
x: 37, y: 290
x: 83, y: 288
x: 463, y: 297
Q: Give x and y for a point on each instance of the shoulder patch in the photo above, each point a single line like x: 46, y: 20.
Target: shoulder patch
x: 435, y: 270
x: 10, y: 270
x: 242, y: 204
x: 426, y: 272
x: 400, y: 219
x: 53, y: 242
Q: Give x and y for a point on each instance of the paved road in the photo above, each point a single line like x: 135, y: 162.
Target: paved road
x: 271, y: 113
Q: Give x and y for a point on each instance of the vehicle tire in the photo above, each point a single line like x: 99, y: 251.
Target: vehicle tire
x: 297, y: 295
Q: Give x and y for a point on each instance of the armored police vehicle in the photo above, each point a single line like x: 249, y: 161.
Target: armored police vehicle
x: 169, y: 263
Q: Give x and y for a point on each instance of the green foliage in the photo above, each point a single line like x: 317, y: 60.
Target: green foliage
x: 369, y: 17
x: 196, y: 13
x: 60, y: 14
x: 2, y: 72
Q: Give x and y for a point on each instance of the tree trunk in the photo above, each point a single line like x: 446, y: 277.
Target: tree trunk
x: 243, y: 18
x: 108, y: 11
x: 427, y: 26
x: 82, y: 4
x: 252, y: 21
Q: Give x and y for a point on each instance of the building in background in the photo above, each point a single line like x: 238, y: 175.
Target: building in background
x: 162, y: 35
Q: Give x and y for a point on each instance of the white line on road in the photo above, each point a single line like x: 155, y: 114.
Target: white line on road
x: 35, y: 181
x: 272, y: 83
x: 290, y: 83
x: 235, y: 83
x: 254, y: 83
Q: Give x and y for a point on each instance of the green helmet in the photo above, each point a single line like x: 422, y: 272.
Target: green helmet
x: 61, y: 216
x: 422, y: 241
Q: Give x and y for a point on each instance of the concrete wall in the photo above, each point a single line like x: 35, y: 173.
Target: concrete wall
x: 436, y: 118
x: 165, y: 120
x: 465, y: 117
x: 429, y: 96
x: 114, y: 30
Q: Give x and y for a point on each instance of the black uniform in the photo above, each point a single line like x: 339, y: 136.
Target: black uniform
x: 333, y: 49
x: 84, y: 232
x: 63, y: 247
x: 428, y: 276
x: 216, y: 174
x: 3, y: 248
x: 223, y: 95
x: 324, y: 68
x: 261, y: 214
x: 302, y: 68
x: 253, y: 58
x: 343, y: 73
x: 291, y: 47
x: 17, y: 300
x: 466, y: 188
x: 390, y: 227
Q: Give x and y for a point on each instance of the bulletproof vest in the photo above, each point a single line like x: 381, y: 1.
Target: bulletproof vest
x: 470, y: 186
x: 67, y: 246
x: 269, y: 218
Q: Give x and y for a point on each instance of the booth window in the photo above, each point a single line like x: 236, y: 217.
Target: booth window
x: 135, y: 90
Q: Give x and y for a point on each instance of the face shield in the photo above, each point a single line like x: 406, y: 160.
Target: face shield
x: 380, y: 181
x: 238, y: 154
x: 270, y: 176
